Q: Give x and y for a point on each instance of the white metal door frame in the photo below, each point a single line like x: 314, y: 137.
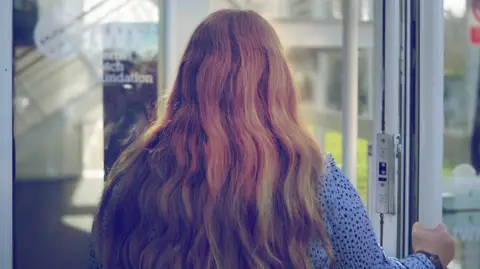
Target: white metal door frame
x: 408, y: 110
x: 414, y: 108
x: 422, y: 115
x: 408, y: 36
x: 430, y: 116
x: 387, y: 48
x: 6, y: 132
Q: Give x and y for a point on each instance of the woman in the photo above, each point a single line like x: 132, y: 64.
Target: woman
x: 230, y: 180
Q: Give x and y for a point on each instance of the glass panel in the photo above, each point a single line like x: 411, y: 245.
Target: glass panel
x: 78, y: 66
x: 85, y: 83
x: 312, y: 35
x: 461, y: 197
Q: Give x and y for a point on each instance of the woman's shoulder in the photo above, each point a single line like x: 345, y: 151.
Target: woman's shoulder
x: 326, y: 194
x: 329, y: 163
x: 334, y: 184
x: 333, y: 177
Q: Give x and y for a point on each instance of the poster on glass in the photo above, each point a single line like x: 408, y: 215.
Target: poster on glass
x: 129, y: 85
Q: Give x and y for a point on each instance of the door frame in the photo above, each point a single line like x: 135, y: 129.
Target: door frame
x: 6, y: 132
x: 386, y: 66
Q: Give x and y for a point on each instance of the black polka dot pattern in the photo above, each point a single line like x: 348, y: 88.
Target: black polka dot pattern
x: 350, y: 230
x: 94, y: 262
x: 349, y: 227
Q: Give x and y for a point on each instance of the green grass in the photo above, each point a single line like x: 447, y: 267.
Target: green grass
x: 333, y: 145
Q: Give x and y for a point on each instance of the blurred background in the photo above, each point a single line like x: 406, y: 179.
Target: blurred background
x: 86, y: 72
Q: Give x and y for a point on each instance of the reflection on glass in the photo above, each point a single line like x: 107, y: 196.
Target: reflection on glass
x: 129, y: 85
x: 318, y: 76
x: 85, y: 83
x: 80, y: 65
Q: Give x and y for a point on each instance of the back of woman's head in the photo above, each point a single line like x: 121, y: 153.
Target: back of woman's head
x: 227, y: 179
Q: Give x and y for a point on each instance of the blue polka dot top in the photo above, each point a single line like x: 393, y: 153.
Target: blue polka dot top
x: 350, y: 230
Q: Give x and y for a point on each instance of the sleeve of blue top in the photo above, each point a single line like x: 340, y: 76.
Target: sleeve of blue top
x: 351, y: 233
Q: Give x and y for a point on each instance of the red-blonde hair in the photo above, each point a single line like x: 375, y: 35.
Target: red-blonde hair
x: 227, y: 179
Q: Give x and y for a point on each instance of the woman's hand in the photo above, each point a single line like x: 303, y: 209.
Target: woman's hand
x: 435, y: 241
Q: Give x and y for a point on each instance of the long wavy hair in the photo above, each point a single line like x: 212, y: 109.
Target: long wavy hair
x: 227, y: 179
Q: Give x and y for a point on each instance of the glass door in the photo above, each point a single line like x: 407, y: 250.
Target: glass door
x: 87, y: 75
x: 78, y: 65
x: 85, y: 83
x: 445, y: 182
